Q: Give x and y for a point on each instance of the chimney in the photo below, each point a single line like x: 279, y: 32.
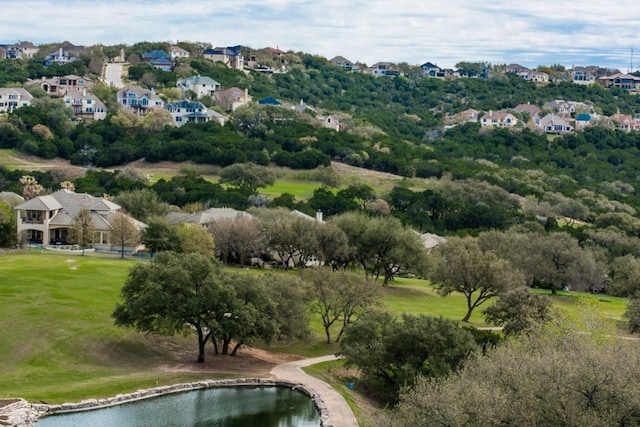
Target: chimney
x: 319, y: 216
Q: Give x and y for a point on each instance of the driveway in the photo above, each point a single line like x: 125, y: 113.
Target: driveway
x: 113, y: 74
x: 340, y: 414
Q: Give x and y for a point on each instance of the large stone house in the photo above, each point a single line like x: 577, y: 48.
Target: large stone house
x: 49, y: 220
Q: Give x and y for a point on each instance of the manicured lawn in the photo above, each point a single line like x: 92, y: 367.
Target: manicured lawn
x: 302, y: 190
x: 58, y: 340
x: 59, y: 343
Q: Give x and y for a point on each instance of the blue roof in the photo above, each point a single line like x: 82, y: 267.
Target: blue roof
x: 156, y: 54
x: 269, y: 101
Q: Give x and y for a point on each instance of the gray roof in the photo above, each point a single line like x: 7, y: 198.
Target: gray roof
x: 432, y: 240
x: 41, y: 203
x: 205, y: 217
x: 10, y: 198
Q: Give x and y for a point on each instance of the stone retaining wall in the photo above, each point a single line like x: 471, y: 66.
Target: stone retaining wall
x: 40, y: 410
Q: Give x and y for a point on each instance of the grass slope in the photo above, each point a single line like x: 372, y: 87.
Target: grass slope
x: 59, y: 343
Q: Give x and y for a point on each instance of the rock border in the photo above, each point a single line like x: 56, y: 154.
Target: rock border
x: 42, y: 410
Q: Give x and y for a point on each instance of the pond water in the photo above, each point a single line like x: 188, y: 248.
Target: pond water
x: 212, y: 407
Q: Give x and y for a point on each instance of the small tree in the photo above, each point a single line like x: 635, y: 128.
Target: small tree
x: 83, y: 228
x: 160, y: 236
x: 248, y: 177
x: 340, y: 297
x: 123, y: 232
x: 194, y: 238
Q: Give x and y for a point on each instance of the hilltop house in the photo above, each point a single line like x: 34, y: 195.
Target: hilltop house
x: 624, y: 81
x: 532, y: 110
x: 554, y: 124
x: 232, y: 98
x: 185, y: 111
x: 58, y: 86
x: 382, y: 69
x: 201, y: 86
x: 343, y: 62
x: 85, y: 105
x: 625, y: 122
x: 230, y: 56
x: 432, y: 70
x: 59, y: 57
x: 498, y: 119
x: 177, y: 52
x: 583, y: 75
x: 159, y: 59
x: 12, y: 98
x: 138, y: 99
x: 49, y: 220
x: 21, y: 50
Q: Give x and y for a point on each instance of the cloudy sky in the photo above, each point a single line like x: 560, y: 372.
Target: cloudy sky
x: 590, y: 32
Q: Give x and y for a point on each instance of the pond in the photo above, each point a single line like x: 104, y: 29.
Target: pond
x: 211, y: 407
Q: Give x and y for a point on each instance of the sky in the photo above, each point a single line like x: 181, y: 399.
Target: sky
x: 543, y: 32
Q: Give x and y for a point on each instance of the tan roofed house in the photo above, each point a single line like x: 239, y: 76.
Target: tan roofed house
x: 49, y: 220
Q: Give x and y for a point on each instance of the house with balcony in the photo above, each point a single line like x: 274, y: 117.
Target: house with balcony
x: 432, y: 70
x: 341, y: 61
x: 85, y: 105
x: 583, y: 75
x: 200, y: 85
x: 20, y: 50
x: 49, y: 220
x: 625, y: 81
x: 60, y: 57
x: 139, y: 100
x: 382, y: 69
x: 12, y: 98
x: 58, y: 86
x: 184, y: 112
x: 230, y: 56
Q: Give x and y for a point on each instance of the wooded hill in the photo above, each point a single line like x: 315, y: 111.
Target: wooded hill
x: 391, y: 124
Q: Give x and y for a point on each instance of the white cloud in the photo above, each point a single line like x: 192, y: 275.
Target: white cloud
x: 444, y: 32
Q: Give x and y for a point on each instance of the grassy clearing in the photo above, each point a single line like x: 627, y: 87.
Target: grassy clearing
x: 59, y: 342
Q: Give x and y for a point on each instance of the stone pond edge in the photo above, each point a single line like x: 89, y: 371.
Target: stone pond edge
x: 29, y: 415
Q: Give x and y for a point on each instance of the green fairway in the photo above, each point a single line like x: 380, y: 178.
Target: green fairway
x: 302, y: 190
x: 59, y: 343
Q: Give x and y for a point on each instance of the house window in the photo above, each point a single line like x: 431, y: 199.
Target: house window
x: 88, y: 101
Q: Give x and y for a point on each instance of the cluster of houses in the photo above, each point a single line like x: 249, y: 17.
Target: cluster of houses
x: 76, y: 93
x: 555, y: 117
x: 561, y: 116
x: 577, y: 74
